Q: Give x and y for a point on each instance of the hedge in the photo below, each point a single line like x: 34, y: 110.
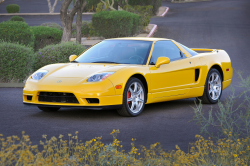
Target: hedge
x: 52, y: 25
x: 45, y: 36
x: 15, y: 62
x: 111, y: 24
x: 17, y: 18
x: 12, y: 8
x: 16, y: 32
x: 155, y: 3
x: 146, y: 12
x: 58, y: 53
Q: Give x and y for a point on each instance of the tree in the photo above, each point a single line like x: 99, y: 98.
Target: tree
x: 121, y: 3
x: 51, y: 9
x: 67, y: 18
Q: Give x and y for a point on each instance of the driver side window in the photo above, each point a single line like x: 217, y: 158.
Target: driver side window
x: 166, y: 49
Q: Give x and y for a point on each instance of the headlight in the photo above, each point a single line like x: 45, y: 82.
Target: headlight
x: 39, y: 74
x: 99, y: 77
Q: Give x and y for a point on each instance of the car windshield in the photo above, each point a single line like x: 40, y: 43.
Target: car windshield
x: 117, y: 51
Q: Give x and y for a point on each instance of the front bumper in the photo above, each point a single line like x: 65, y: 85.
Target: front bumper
x: 108, y: 107
x: 103, y: 91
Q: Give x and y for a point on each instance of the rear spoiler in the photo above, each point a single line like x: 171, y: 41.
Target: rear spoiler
x: 205, y: 49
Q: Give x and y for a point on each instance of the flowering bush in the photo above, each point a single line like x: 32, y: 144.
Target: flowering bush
x: 72, y: 151
x: 58, y: 53
x: 16, y: 32
x: 45, y: 36
x: 15, y: 62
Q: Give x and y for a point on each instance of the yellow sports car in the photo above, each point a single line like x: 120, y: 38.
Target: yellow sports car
x: 127, y: 73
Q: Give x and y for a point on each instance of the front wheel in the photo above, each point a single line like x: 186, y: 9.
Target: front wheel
x: 49, y: 109
x: 134, y: 98
x: 213, y: 87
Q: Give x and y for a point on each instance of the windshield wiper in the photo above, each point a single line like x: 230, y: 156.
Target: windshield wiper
x: 74, y: 61
x: 105, y: 62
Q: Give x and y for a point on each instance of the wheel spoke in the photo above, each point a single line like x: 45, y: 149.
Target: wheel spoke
x: 139, y: 91
x: 212, y: 76
x: 140, y: 100
x: 216, y: 78
x: 212, y: 94
x: 132, y: 92
x: 210, y: 91
x: 129, y: 99
x: 132, y: 106
x: 135, y: 86
x: 137, y: 106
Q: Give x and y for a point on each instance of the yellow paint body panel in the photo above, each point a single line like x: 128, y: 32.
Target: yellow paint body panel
x: 172, y: 81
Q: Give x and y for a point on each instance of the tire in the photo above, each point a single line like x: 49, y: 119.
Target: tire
x: 49, y: 109
x: 133, y: 100
x: 213, y: 89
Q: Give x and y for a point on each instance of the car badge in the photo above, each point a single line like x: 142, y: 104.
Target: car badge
x: 59, y: 81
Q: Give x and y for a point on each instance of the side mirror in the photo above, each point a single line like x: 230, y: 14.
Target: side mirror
x: 162, y: 60
x: 72, y: 57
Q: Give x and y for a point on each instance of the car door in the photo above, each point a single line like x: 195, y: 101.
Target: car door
x: 174, y: 78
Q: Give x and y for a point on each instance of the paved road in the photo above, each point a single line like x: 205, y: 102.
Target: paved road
x: 221, y: 24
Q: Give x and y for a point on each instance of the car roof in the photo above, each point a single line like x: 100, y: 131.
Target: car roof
x: 139, y: 38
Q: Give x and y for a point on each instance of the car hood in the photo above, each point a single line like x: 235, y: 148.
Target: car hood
x: 78, y: 71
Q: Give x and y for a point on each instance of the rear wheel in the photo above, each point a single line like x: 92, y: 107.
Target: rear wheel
x: 213, y: 87
x: 49, y: 109
x: 134, y: 98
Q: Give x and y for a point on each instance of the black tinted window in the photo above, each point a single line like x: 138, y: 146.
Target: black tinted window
x: 166, y: 49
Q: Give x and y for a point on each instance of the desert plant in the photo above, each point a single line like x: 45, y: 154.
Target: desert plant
x: 228, y: 118
x: 58, y: 53
x: 52, y: 25
x: 16, y: 32
x: 72, y: 151
x: 12, y: 8
x: 45, y: 36
x: 111, y: 24
x: 17, y: 18
x: 15, y: 62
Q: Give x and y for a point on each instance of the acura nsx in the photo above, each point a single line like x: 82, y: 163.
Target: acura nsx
x: 127, y: 73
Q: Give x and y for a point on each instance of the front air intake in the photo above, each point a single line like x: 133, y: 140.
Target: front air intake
x: 58, y: 97
x: 92, y: 100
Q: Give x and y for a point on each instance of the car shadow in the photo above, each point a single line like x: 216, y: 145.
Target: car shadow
x: 168, y: 107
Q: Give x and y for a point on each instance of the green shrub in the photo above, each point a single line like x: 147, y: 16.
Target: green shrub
x: 155, y: 3
x: 111, y: 24
x: 58, y: 53
x: 85, y: 28
x: 12, y: 8
x: 146, y: 12
x: 15, y: 62
x: 17, y: 18
x: 52, y: 25
x: 45, y: 36
x: 16, y: 32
